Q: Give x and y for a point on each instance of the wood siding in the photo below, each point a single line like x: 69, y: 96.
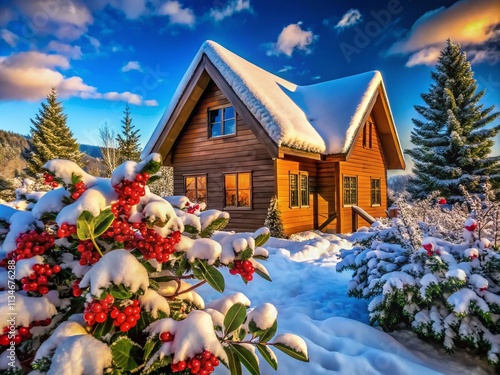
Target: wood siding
x: 296, y: 219
x: 327, y: 183
x: 365, y: 163
x: 196, y: 154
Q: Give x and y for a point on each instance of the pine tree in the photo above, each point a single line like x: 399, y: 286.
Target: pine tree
x: 453, y: 143
x: 273, y: 219
x: 50, y: 136
x: 128, y: 140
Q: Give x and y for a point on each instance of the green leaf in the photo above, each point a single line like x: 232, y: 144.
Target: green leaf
x: 263, y: 275
x: 102, y: 329
x: 269, y: 333
x: 234, y: 364
x: 75, y: 178
x: 153, y: 179
x: 125, y: 354
x: 212, y: 275
x: 103, y: 221
x: 246, y: 254
x: 85, y: 225
x: 190, y: 229
x: 217, y: 224
x: 148, y: 266
x: 163, y: 279
x: 152, y: 345
x: 262, y: 239
x: 291, y: 352
x: 157, y: 365
x: 267, y: 354
x: 247, y: 358
x: 234, y: 318
x: 119, y: 291
x: 153, y: 284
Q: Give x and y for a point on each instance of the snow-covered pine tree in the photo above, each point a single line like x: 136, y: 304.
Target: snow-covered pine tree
x: 273, y: 219
x: 50, y: 136
x: 453, y: 145
x: 128, y: 140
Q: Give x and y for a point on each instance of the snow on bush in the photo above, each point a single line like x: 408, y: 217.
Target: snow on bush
x: 444, y: 290
x: 102, y: 275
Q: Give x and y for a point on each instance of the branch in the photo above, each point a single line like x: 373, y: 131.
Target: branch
x: 177, y: 292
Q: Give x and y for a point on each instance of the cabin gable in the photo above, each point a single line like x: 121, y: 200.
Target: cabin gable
x: 195, y: 153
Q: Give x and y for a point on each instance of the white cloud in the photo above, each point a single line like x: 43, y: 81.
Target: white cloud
x: 349, y: 19
x: 426, y: 56
x: 9, y: 37
x: 286, y: 68
x: 292, y: 37
x: 72, y: 52
x: 30, y: 76
x: 235, y: 6
x: 132, y: 65
x: 132, y: 9
x: 469, y: 22
x: 177, y: 13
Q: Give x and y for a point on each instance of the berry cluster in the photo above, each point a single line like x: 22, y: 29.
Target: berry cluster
x: 97, y: 310
x: 30, y: 244
x: 129, y: 194
x: 192, y: 209
x: 78, y: 190
x: 202, y: 364
x: 121, y: 231
x: 89, y: 254
x: 75, y: 288
x: 66, y: 230
x: 23, y: 333
x: 244, y: 268
x: 49, y: 180
x: 38, y: 281
x: 128, y: 317
x: 154, y: 246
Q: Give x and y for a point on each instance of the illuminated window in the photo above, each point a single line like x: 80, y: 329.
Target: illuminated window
x: 299, y: 189
x: 238, y: 189
x: 195, y: 188
x: 350, y: 190
x: 222, y: 121
x: 375, y: 192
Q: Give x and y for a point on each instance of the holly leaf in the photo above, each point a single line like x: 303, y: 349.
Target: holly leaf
x: 291, y: 352
x: 152, y: 345
x: 217, y: 224
x: 211, y: 274
x: 190, y: 229
x: 261, y: 239
x: 103, y: 222
x: 234, y: 318
x: 85, y: 225
x: 247, y: 358
x: 268, y: 333
x: 268, y: 355
x: 119, y: 291
x: 102, y: 329
x: 246, y: 254
x: 234, y: 363
x: 265, y: 276
x: 125, y: 354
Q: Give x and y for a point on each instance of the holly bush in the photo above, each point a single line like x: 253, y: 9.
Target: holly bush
x: 101, y: 276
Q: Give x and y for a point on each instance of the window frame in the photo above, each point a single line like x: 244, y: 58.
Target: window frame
x: 209, y: 124
x: 195, y: 176
x: 372, y: 191
x: 300, y: 203
x: 356, y: 189
x: 227, y: 208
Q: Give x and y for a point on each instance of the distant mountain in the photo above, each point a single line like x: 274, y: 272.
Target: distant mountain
x: 90, y: 150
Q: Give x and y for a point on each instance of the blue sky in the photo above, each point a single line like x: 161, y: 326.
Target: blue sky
x: 103, y: 53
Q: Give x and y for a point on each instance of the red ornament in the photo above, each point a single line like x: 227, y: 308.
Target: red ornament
x: 442, y: 201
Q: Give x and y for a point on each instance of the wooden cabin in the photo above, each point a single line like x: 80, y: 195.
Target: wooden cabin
x: 236, y: 135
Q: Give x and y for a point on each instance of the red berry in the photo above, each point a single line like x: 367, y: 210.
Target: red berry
x: 124, y: 327
x: 100, y: 317
x: 4, y: 340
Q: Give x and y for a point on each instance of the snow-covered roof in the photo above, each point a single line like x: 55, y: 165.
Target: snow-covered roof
x: 322, y: 117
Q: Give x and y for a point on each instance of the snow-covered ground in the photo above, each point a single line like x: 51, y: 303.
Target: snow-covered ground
x: 312, y: 302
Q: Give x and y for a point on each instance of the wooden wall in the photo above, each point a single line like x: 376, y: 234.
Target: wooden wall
x: 296, y: 219
x: 195, y: 153
x: 327, y: 197
x: 365, y: 163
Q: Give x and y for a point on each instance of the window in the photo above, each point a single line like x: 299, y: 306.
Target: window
x: 196, y: 188
x: 222, y: 121
x: 299, y: 189
x: 367, y: 134
x: 350, y: 190
x: 238, y: 189
x: 375, y: 191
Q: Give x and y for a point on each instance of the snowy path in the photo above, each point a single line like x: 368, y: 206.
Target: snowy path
x: 312, y: 302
